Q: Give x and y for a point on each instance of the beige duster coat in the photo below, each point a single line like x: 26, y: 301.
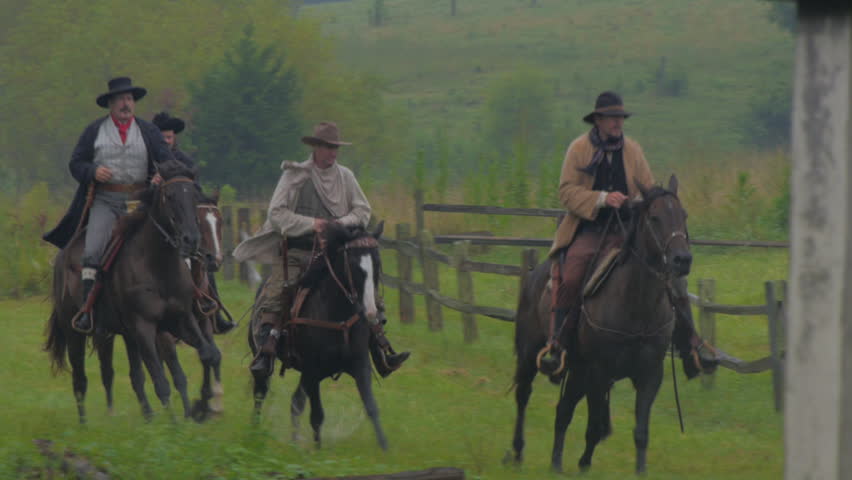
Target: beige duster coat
x: 575, y: 187
x: 349, y: 206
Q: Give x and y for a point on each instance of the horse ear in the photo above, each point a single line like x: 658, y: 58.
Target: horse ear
x: 642, y: 188
x: 673, y: 184
x: 377, y: 233
x: 215, y: 196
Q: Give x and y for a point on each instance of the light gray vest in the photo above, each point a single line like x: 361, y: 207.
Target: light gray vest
x: 128, y: 161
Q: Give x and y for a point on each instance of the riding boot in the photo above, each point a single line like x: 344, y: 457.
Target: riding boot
x: 83, y: 322
x: 220, y: 325
x: 696, y: 355
x: 550, y: 363
x: 267, y: 341
x: 385, y: 359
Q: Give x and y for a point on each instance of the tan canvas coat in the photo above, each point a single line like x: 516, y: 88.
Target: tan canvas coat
x: 337, y: 188
x: 575, y: 187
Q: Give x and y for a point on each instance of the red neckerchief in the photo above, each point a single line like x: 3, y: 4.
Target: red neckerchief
x: 122, y: 128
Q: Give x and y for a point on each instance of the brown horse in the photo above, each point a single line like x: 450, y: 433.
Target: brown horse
x: 625, y: 328
x: 209, y: 257
x: 148, y: 289
x: 331, y: 334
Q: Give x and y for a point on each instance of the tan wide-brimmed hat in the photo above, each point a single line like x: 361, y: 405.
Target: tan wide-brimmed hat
x: 325, y: 133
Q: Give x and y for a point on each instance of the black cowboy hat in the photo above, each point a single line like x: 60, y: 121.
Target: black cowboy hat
x: 164, y: 122
x: 608, y: 104
x: 120, y: 85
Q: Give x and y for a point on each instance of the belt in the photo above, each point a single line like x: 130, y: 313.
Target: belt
x: 120, y: 187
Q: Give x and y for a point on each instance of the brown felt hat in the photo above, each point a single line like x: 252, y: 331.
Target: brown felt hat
x: 325, y: 133
x: 608, y: 104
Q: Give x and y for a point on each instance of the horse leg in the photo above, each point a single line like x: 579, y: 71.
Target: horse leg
x: 190, y: 332
x: 297, y: 406
x: 146, y: 333
x: 646, y: 391
x: 311, y: 387
x: 572, y: 391
x: 137, y: 376
x: 77, y: 359
x: 365, y: 389
x: 105, y: 351
x: 167, y: 351
x: 525, y: 373
x: 598, y: 417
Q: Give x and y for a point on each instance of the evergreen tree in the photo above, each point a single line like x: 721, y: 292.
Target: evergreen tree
x: 246, y: 116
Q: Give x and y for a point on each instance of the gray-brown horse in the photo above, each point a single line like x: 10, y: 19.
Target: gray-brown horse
x: 624, y: 331
x: 148, y: 288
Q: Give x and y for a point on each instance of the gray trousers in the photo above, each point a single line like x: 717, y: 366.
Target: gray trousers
x: 270, y: 297
x: 106, y: 208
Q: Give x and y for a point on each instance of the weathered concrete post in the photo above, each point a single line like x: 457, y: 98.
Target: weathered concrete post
x: 818, y: 400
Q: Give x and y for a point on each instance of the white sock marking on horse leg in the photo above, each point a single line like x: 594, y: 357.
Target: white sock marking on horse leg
x: 369, y: 301
x: 211, y: 220
x: 188, y: 262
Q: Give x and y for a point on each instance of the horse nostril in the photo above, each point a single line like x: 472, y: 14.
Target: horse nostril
x: 683, y: 260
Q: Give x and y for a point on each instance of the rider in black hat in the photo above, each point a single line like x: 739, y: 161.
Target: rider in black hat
x: 170, y: 127
x: 115, y: 157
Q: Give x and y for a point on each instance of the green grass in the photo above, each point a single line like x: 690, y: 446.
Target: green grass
x: 439, y: 68
x: 447, y: 407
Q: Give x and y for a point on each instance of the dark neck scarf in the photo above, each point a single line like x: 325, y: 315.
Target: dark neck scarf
x: 602, y: 147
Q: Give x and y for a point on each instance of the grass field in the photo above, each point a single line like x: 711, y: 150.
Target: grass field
x: 439, y: 67
x: 449, y: 406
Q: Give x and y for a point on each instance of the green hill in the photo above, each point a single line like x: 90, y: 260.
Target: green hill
x: 691, y: 70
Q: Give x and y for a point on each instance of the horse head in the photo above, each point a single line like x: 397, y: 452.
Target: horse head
x: 352, y: 256
x: 660, y: 229
x: 210, y: 229
x: 172, y: 208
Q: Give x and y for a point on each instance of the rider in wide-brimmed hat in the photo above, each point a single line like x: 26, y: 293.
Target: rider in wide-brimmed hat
x: 309, y: 196
x: 170, y: 127
x: 116, y: 156
x: 599, y: 174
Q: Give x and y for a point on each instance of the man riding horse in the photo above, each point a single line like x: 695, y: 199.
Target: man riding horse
x: 309, y: 196
x: 170, y: 127
x: 599, y: 175
x: 116, y: 156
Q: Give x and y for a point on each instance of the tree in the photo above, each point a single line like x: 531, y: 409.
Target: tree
x: 246, y: 114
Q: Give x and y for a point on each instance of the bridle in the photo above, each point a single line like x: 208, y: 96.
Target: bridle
x: 213, y: 209
x: 168, y: 237
x: 365, y: 242
x: 663, y: 246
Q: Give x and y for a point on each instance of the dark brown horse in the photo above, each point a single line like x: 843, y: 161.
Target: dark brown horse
x: 148, y: 289
x: 343, y: 286
x: 624, y: 331
x: 209, y: 257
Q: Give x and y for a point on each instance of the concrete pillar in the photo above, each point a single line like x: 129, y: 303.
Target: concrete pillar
x: 818, y: 402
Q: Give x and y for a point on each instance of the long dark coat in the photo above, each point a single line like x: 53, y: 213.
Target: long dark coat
x: 83, y: 170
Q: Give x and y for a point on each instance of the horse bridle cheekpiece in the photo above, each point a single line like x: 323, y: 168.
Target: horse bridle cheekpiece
x: 664, y: 246
x: 162, y: 199
x: 366, y: 242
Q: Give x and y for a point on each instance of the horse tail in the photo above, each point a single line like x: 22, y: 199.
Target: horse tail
x: 56, y: 344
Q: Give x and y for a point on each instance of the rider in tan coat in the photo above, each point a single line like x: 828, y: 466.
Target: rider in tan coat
x: 599, y: 174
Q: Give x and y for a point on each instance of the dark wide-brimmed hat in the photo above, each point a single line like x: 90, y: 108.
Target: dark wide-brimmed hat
x: 325, y: 133
x: 164, y: 122
x: 120, y: 85
x: 608, y: 104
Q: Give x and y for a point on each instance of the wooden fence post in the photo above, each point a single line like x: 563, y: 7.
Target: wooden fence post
x: 773, y: 315
x: 431, y: 281
x: 420, y: 222
x: 406, y: 300
x: 707, y: 294
x: 243, y: 225
x: 228, y: 243
x: 465, y: 288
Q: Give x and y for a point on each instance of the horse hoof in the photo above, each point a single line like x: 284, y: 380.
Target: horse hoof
x: 200, y: 411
